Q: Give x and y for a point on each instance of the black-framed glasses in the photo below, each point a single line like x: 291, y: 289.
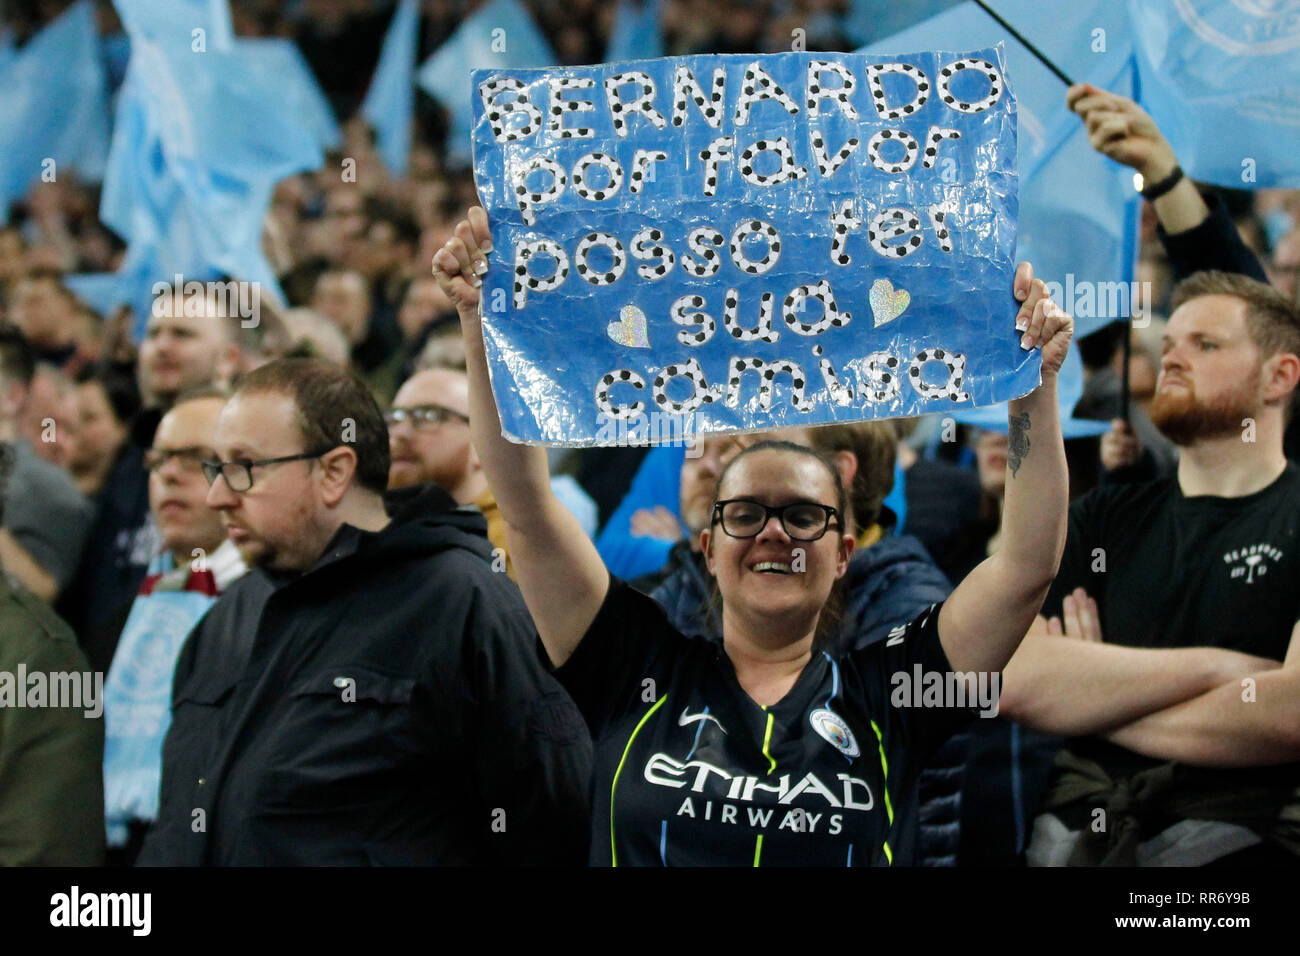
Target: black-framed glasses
x: 802, y: 520
x: 417, y: 415
x: 191, y: 458
x: 239, y: 474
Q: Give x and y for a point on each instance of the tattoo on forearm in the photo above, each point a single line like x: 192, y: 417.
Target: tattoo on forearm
x: 1017, y: 441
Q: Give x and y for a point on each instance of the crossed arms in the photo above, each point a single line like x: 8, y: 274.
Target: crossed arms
x: 1198, y: 705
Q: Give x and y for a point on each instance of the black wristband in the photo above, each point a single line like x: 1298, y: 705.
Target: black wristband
x: 1156, y: 190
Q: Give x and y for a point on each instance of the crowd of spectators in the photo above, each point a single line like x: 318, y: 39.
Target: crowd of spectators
x: 106, y: 500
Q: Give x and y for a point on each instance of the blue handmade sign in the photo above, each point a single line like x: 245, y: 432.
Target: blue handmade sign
x: 739, y: 243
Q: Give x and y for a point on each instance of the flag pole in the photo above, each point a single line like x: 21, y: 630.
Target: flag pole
x: 1042, y: 58
x: 1123, y: 375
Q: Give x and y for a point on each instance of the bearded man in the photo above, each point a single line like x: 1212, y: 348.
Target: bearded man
x: 1174, y: 667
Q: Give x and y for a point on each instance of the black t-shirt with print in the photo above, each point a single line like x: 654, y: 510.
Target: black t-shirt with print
x: 689, y: 770
x: 1171, y: 571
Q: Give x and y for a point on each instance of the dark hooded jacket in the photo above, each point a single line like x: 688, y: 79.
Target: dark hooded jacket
x: 386, y: 706
x: 887, y: 584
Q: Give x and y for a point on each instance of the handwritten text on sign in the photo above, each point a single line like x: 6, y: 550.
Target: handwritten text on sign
x: 754, y: 242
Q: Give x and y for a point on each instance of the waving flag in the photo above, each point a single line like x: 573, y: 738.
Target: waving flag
x: 868, y: 21
x: 1222, y: 81
x: 200, y: 141
x: 7, y: 51
x: 54, y: 106
x: 279, y: 64
x: 638, y: 32
x: 195, y: 25
x: 498, y: 35
x: 391, y: 98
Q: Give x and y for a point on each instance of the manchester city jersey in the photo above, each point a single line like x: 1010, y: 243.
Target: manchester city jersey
x: 689, y: 770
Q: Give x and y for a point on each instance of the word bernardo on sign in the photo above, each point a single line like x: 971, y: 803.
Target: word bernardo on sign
x: 756, y: 242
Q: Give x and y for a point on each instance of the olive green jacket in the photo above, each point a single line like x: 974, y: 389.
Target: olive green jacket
x: 51, y: 757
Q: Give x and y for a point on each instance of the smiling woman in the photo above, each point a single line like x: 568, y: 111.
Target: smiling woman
x: 771, y: 750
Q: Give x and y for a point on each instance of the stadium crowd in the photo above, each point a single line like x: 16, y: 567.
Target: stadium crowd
x: 183, y: 519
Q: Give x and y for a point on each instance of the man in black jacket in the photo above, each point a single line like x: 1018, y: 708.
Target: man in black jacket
x: 370, y: 693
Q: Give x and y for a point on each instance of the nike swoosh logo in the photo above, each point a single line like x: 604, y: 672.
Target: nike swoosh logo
x: 686, y: 719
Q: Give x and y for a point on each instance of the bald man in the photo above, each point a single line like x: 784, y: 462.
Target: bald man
x: 196, y: 562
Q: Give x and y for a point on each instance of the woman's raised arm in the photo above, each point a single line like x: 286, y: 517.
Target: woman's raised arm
x: 984, y: 620
x: 561, y: 575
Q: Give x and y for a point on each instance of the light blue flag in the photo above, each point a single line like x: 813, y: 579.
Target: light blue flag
x: 638, y: 31
x: 1222, y: 81
x: 499, y: 35
x: 1079, y: 211
x: 54, y: 106
x: 200, y: 141
x: 7, y: 50
x: 390, y: 100
x: 116, y: 50
x: 206, y: 126
x: 194, y: 25
x: 868, y: 21
x: 278, y: 64
x: 102, y: 291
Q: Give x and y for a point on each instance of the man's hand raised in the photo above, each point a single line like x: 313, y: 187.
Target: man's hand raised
x: 1119, y: 128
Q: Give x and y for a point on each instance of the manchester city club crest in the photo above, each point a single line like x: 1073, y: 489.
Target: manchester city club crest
x: 1244, y: 27
x: 834, y: 731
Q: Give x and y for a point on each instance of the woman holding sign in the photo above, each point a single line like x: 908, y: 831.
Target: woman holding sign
x: 766, y: 750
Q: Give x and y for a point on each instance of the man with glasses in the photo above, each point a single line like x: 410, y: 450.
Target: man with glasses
x: 370, y: 692
x: 196, y: 563
x: 428, y: 437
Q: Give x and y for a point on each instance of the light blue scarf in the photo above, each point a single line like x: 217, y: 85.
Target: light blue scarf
x: 138, y: 696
